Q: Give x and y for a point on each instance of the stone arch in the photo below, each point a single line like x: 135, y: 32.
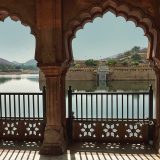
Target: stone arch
x: 5, y: 13
x: 130, y: 13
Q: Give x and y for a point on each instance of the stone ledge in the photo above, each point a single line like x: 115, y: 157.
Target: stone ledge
x: 52, y: 149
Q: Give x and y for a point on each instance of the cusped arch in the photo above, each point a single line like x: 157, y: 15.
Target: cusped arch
x: 123, y: 9
x: 4, y: 13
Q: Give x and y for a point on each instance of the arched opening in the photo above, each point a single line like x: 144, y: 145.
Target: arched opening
x: 110, y: 39
x: 17, y: 51
x: 119, y: 9
x: 112, y: 111
x: 21, y: 102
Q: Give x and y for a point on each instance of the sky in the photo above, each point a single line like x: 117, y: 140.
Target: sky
x: 107, y: 36
x: 103, y: 38
x: 16, y: 42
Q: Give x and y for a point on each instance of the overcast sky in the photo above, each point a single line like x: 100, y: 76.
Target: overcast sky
x: 16, y: 42
x: 107, y: 36
x: 104, y: 37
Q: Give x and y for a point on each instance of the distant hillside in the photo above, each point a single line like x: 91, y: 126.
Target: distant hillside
x: 128, y: 53
x: 135, y: 56
x: 5, y: 62
x: 7, y: 66
x: 16, y: 63
x: 31, y: 62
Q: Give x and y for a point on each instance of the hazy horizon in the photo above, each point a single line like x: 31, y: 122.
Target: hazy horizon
x: 17, y: 61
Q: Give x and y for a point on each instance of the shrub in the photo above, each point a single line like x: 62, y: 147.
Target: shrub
x: 111, y: 62
x: 91, y: 62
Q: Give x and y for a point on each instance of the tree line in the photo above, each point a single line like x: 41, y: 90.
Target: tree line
x: 16, y: 68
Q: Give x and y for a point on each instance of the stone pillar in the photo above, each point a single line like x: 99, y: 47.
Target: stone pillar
x: 54, y: 137
x: 63, y: 99
x: 157, y: 95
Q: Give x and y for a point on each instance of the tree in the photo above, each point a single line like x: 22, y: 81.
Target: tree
x: 136, y: 57
x: 111, y: 62
x: 127, y: 53
x: 18, y: 67
x: 135, y: 49
x: 91, y: 62
x: 77, y: 65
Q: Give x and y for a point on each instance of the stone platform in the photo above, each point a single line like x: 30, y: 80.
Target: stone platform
x: 84, y: 151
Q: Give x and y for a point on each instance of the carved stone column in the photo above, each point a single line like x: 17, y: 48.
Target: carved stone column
x: 54, y: 136
x: 63, y: 99
x: 157, y: 98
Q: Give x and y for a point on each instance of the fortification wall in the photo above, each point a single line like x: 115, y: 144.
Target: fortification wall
x: 115, y: 73
x: 81, y: 75
x: 131, y: 73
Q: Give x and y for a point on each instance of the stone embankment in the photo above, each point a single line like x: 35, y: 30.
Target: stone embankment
x: 132, y: 73
x: 88, y: 74
x: 115, y: 73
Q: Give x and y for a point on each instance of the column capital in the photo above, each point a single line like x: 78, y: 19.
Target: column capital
x: 53, y: 71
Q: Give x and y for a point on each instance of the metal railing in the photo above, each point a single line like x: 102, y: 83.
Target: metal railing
x: 22, y: 105
x: 22, y: 116
x: 111, y: 105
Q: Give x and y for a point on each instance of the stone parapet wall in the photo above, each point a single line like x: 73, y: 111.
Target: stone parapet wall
x: 81, y: 75
x: 131, y: 73
x: 115, y: 73
x: 91, y: 69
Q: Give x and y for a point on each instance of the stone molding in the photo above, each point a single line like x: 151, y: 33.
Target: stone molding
x: 53, y: 71
x: 18, y: 14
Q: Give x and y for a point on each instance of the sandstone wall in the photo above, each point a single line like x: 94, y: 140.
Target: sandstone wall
x: 131, y: 73
x: 115, y: 73
x: 81, y: 75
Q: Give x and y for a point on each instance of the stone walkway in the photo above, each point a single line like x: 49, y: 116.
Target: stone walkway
x: 85, y: 151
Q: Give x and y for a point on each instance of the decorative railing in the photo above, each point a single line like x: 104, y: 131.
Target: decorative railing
x: 92, y: 116
x: 22, y: 116
x: 110, y: 116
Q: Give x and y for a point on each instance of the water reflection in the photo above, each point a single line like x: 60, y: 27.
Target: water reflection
x: 130, y: 85
x: 4, y: 80
x: 19, y: 83
x: 88, y: 86
x: 32, y: 80
x: 31, y: 77
x: 112, y: 86
x: 115, y: 106
x: 30, y: 83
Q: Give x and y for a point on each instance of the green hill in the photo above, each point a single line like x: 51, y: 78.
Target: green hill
x: 134, y: 56
x: 7, y: 66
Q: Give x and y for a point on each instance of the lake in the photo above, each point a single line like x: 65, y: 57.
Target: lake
x: 30, y: 83
x: 19, y: 83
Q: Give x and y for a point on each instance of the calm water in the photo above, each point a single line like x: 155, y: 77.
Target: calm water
x: 19, y: 83
x: 30, y: 83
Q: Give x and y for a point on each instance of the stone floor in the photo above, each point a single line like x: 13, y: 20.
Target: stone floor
x: 84, y: 151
